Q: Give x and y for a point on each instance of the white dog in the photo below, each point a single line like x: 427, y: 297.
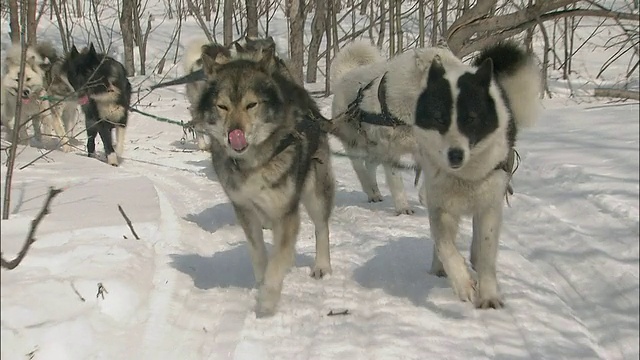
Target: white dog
x: 466, y: 122
x: 36, y: 103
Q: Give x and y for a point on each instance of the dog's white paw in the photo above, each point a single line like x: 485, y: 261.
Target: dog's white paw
x: 319, y: 271
x: 65, y: 148
x: 405, y: 211
x: 377, y: 197
x: 267, y: 302
x: 489, y: 303
x: 466, y: 290
x: 112, y: 159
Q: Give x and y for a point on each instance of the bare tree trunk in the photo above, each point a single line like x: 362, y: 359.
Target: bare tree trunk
x: 317, y: 31
x: 434, y: 27
x: 206, y: 9
x: 252, y: 18
x: 382, y: 26
x: 79, y: 8
x: 14, y: 21
x: 392, y: 27
x: 31, y: 22
x: 63, y: 37
x: 398, y: 27
x: 126, y: 27
x: 296, y: 39
x: 227, y: 22
x: 444, y: 14
x: 327, y: 65
x: 421, y: 25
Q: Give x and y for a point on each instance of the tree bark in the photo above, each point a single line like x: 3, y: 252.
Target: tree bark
x: 252, y: 17
x: 126, y: 27
x: 296, y: 39
x: 227, y: 22
x: 31, y: 22
x: 317, y: 31
x: 14, y: 21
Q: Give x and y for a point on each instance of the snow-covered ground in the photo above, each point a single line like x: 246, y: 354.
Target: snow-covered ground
x: 568, y: 263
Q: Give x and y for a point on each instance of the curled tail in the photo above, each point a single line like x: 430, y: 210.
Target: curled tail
x: 191, y: 60
x: 353, y: 55
x: 47, y: 51
x: 519, y: 75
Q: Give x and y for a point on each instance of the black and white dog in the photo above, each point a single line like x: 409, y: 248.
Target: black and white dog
x: 102, y: 82
x: 466, y: 122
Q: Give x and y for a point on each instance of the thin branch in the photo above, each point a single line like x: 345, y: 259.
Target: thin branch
x: 32, y: 232
x: 126, y: 218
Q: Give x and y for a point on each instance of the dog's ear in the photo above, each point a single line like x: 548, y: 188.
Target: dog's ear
x: 422, y: 62
x: 73, y: 52
x: 436, y: 69
x: 266, y: 57
x: 239, y: 48
x: 31, y: 61
x: 92, y: 49
x: 213, y: 56
x: 485, y: 72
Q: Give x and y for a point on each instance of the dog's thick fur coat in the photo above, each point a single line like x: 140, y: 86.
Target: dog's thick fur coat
x: 466, y: 122
x: 103, y: 81
x: 269, y: 155
x: 354, y: 67
x: 40, y: 85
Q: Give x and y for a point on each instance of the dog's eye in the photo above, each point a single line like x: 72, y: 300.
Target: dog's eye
x: 251, y: 105
x: 222, y: 107
x: 28, y: 79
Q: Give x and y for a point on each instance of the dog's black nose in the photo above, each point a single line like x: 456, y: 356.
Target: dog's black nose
x: 456, y: 157
x: 26, y: 92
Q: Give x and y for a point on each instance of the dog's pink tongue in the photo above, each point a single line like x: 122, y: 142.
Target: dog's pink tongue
x: 237, y: 140
x: 25, y: 100
x: 83, y: 100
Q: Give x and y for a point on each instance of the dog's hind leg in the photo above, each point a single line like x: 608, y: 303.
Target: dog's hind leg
x: 92, y: 131
x: 444, y: 228
x: 367, y: 178
x: 484, y: 251
x: 437, y: 268
x: 396, y: 186
x: 253, y: 232
x: 56, y: 124
x: 285, y: 233
x: 104, y: 129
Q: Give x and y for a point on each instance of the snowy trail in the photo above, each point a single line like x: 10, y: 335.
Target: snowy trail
x: 568, y: 263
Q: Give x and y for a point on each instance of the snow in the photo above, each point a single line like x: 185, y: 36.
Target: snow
x: 568, y: 263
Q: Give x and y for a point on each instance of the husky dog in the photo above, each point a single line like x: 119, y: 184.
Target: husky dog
x: 360, y: 70
x: 191, y: 63
x: 36, y: 93
x: 466, y: 121
x: 269, y: 155
x: 106, y: 93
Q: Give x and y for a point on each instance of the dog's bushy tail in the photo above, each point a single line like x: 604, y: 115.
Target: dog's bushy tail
x: 193, y: 53
x: 46, y: 51
x: 353, y: 55
x: 519, y: 75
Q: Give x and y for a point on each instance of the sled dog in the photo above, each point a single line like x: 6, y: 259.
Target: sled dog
x: 466, y: 121
x: 360, y: 70
x: 102, y: 83
x: 40, y: 87
x: 270, y: 156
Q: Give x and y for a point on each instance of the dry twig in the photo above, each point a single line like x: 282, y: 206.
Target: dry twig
x: 126, y: 218
x: 32, y: 232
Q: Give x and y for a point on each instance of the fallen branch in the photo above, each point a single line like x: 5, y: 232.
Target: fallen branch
x: 77, y: 293
x: 126, y: 218
x: 32, y: 232
x: 339, y: 312
x: 617, y: 93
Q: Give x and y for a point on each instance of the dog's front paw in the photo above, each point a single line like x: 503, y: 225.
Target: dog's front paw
x: 267, y: 302
x: 405, y: 211
x: 112, y: 159
x: 489, y: 303
x: 466, y: 290
x: 319, y: 271
x: 375, y: 198
x: 65, y: 148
